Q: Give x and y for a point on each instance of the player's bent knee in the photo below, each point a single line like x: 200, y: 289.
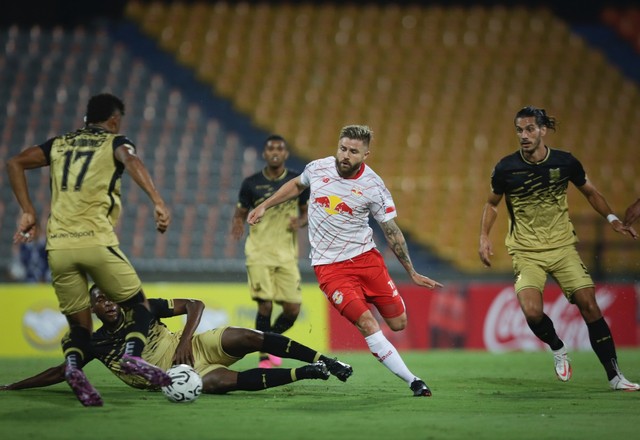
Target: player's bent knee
x: 397, y: 324
x: 219, y: 381
x: 367, y: 324
x: 240, y: 341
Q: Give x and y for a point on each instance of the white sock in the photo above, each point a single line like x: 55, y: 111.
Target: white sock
x: 387, y: 354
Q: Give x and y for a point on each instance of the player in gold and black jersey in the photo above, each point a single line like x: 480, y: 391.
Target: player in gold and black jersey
x: 541, y: 239
x: 271, y: 249
x: 210, y: 352
x: 85, y: 167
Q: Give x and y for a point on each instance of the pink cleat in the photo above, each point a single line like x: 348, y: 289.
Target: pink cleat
x: 139, y: 367
x: 275, y: 360
x: 82, y: 388
x: 265, y: 363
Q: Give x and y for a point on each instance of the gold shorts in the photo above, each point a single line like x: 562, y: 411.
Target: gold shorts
x: 208, y: 353
x: 275, y: 283
x: 108, y: 267
x: 563, y: 264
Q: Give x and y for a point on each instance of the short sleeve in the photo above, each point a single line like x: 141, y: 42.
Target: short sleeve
x: 577, y: 174
x: 46, y: 149
x: 245, y: 198
x: 119, y: 141
x: 305, y: 177
x: 498, y: 185
x: 161, y: 308
x: 382, y: 206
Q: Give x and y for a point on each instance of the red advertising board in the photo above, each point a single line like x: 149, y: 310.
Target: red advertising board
x: 488, y: 317
x: 425, y: 309
x: 497, y: 323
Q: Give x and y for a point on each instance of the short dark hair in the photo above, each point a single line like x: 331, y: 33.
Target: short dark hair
x: 275, y: 137
x: 357, y: 132
x: 94, y: 290
x: 101, y: 107
x: 542, y: 119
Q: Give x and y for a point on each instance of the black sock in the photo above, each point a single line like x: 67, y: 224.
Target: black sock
x: 263, y: 322
x: 603, y: 345
x: 282, y: 324
x: 282, y: 346
x: 262, y: 378
x: 139, y: 319
x: 75, y: 344
x: 545, y: 331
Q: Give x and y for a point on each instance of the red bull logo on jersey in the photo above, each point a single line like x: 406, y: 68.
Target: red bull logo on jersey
x: 333, y: 205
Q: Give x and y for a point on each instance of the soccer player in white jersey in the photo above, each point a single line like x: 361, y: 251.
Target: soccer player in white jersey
x: 350, y: 270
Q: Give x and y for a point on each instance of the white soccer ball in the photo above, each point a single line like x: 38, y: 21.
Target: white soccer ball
x: 186, y: 384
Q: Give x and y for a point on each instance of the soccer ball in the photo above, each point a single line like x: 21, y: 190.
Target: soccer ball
x: 186, y: 384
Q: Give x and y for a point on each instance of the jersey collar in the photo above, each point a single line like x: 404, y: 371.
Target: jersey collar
x: 358, y: 174
x: 96, y: 128
x: 537, y: 163
x: 280, y: 177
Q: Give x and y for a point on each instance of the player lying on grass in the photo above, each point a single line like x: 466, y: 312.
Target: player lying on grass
x: 210, y: 352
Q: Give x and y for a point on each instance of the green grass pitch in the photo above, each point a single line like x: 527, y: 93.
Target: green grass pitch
x: 477, y: 395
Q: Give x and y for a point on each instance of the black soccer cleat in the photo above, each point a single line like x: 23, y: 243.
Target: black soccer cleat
x: 317, y: 370
x: 339, y: 369
x: 420, y: 389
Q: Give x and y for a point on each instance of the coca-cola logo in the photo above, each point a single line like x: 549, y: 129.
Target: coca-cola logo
x: 505, y: 328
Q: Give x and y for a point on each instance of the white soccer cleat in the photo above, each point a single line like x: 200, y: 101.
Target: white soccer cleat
x: 620, y: 383
x: 562, y: 364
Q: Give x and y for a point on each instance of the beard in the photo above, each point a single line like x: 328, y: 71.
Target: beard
x: 345, y: 170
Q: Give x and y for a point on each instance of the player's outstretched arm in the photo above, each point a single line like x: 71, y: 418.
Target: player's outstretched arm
x: 48, y: 377
x: 288, y: 191
x: 32, y: 157
x: 237, y: 222
x: 193, y: 308
x: 398, y: 244
x: 599, y: 203
x: 138, y: 172
x: 489, y: 215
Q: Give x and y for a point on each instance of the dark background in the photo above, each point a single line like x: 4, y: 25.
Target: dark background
x: 73, y: 12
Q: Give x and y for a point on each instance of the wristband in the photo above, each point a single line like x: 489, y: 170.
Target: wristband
x: 612, y: 217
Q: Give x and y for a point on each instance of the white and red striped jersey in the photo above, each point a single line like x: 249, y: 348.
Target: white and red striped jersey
x: 339, y: 210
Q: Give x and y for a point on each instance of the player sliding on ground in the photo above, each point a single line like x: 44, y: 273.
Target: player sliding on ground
x: 210, y: 352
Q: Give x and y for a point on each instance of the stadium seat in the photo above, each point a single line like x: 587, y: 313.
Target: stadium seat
x: 439, y: 85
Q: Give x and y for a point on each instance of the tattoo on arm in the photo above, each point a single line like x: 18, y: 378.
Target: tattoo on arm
x: 397, y: 243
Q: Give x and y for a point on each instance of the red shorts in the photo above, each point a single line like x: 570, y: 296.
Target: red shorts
x: 349, y: 285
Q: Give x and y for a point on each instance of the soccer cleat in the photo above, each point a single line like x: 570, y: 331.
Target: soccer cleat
x: 84, y: 391
x: 275, y: 360
x: 264, y: 363
x: 339, y: 369
x: 620, y: 383
x: 317, y: 370
x: 139, y: 367
x: 420, y: 389
x: 562, y: 364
